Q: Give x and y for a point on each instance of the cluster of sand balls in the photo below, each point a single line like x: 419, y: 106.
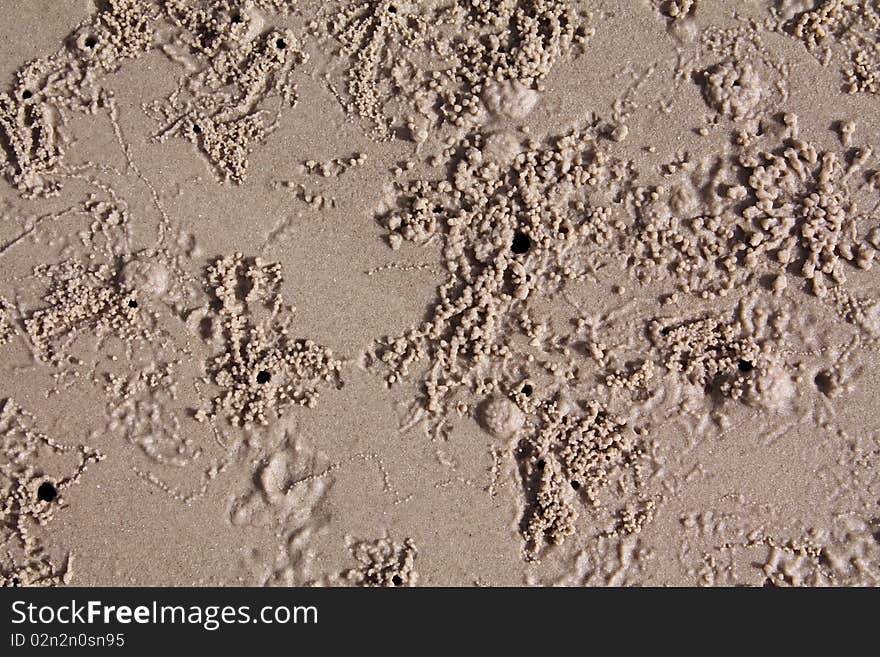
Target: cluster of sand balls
x: 259, y: 368
x: 491, y: 49
x: 383, y: 562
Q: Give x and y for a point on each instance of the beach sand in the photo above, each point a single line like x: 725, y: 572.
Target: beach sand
x: 439, y: 293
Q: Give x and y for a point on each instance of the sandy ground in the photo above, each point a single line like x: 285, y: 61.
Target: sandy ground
x: 400, y: 293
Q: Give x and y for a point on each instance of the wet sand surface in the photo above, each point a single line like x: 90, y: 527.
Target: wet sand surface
x: 453, y: 292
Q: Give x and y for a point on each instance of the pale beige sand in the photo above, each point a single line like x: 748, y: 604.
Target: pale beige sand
x: 451, y: 292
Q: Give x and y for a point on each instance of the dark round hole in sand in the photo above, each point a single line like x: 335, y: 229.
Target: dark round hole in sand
x: 745, y: 366
x: 527, y: 390
x: 281, y: 43
x: 521, y: 243
x: 263, y: 377
x: 27, y: 93
x: 824, y: 382
x: 90, y: 42
x: 132, y: 303
x: 46, y: 492
x: 575, y: 485
x: 392, y: 9
x: 236, y: 18
x: 397, y: 580
x: 541, y: 464
x: 197, y: 129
